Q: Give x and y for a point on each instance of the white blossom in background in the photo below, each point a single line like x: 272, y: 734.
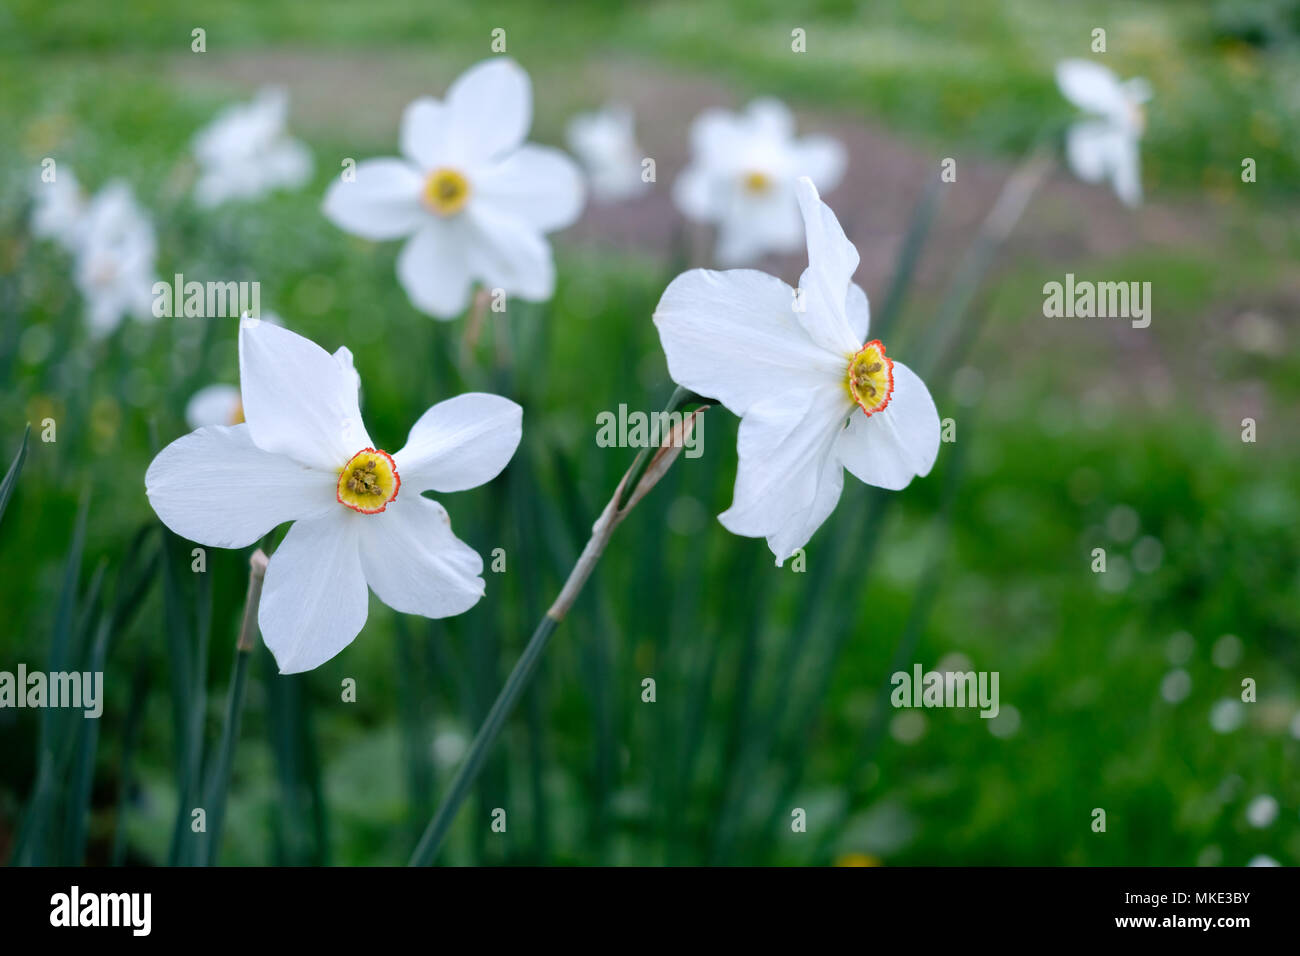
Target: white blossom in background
x: 471, y: 198
x: 247, y: 152
x: 605, y: 144
x: 115, y: 249
x: 1104, y: 146
x: 360, y: 521
x: 814, y: 394
x: 214, y: 405
x: 58, y: 208
x: 742, y: 174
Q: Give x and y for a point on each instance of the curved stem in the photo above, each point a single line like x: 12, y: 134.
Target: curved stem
x: 649, y: 466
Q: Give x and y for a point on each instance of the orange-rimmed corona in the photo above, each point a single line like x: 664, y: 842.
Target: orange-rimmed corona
x: 870, y: 379
x: 369, y: 481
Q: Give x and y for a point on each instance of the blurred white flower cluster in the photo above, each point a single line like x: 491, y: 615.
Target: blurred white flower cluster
x: 111, y: 240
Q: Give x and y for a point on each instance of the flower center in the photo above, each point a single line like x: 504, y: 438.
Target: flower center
x: 237, y: 413
x: 756, y: 183
x: 369, y: 481
x: 870, y: 379
x: 446, y: 192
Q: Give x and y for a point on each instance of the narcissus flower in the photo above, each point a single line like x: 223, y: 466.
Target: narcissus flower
x: 115, y: 249
x: 815, y: 394
x: 605, y: 144
x: 473, y: 197
x: 246, y: 152
x: 1104, y: 147
x: 742, y: 178
x: 359, y: 516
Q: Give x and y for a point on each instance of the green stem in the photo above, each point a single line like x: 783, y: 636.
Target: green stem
x: 680, y: 399
x: 645, y: 472
x: 219, y: 780
x: 436, y: 831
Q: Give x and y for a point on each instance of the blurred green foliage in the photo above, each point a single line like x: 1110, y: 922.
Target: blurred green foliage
x: 769, y: 682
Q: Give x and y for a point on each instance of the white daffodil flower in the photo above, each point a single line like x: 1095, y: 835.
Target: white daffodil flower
x: 246, y: 152
x: 742, y: 178
x: 813, y: 393
x: 58, y: 208
x: 303, y: 455
x: 1104, y: 147
x: 473, y: 197
x: 115, y: 249
x: 605, y: 144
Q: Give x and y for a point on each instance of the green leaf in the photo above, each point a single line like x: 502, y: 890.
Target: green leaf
x: 11, y: 476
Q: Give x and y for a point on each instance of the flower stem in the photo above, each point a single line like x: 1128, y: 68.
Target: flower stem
x: 219, y: 778
x: 649, y: 466
x: 436, y: 831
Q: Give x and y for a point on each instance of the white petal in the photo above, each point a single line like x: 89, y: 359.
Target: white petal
x: 216, y: 487
x: 753, y: 226
x: 783, y: 445
x: 1090, y: 149
x: 696, y: 195
x: 460, y: 443
x: 832, y: 260
x: 800, y: 526
x: 104, y: 313
x: 434, y: 269
x: 716, y: 134
x: 1126, y: 174
x: 1098, y: 150
x: 415, y: 564
x: 289, y: 163
x: 314, y: 602
x: 426, y: 124
x: 734, y: 336
x: 298, y: 399
x: 890, y: 447
x: 858, y: 311
x: 820, y: 158
x: 58, y: 209
x: 383, y: 202
x: 440, y: 263
x: 538, y: 184
x: 507, y: 253
x: 490, y: 108
x: 213, y: 405
x: 770, y: 119
x: 1092, y: 87
x: 605, y: 144
x: 342, y: 355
